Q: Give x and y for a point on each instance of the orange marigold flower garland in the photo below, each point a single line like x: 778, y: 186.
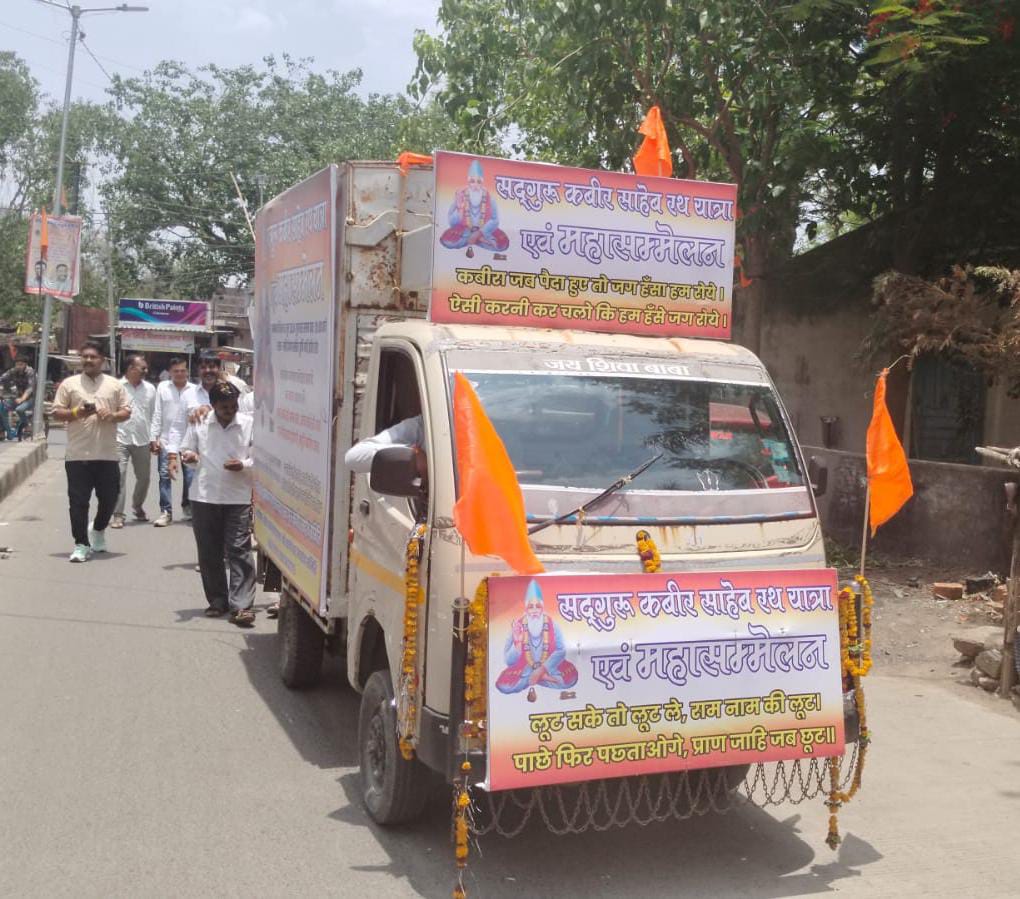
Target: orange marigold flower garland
x: 472, y: 729
x: 407, y: 695
x: 856, y: 657
x: 648, y: 552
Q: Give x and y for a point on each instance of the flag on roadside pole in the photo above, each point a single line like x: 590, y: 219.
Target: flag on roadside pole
x: 489, y: 514
x: 653, y: 156
x: 44, y: 236
x: 888, y: 472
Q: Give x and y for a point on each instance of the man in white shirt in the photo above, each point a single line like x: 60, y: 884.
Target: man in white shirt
x: 210, y: 370
x: 167, y: 429
x: 220, y: 446
x: 133, y: 443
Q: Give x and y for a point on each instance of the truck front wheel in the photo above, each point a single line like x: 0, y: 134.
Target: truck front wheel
x: 301, y: 645
x: 395, y: 789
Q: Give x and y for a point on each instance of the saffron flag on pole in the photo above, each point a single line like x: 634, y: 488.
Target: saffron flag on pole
x: 888, y: 472
x: 44, y: 236
x: 653, y: 156
x: 490, y: 510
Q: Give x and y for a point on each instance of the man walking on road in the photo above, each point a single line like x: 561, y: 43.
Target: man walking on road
x: 92, y: 404
x: 20, y: 379
x: 167, y: 425
x: 133, y: 443
x: 220, y: 445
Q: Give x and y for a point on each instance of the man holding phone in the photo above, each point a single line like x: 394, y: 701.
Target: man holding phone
x: 220, y: 446
x: 92, y: 404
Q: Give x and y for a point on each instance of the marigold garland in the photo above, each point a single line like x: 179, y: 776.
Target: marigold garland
x: 648, y: 552
x: 472, y: 729
x: 407, y: 695
x: 855, y: 653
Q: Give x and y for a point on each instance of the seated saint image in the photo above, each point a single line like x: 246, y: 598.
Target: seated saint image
x: 535, y: 653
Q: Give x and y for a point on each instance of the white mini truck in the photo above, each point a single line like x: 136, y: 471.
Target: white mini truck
x: 722, y: 483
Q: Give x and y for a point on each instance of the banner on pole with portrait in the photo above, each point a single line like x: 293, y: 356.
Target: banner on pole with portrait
x: 53, y: 261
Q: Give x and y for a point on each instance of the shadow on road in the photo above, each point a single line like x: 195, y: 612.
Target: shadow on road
x: 321, y: 722
x: 744, y: 852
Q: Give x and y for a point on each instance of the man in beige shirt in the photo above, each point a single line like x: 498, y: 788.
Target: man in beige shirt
x: 92, y: 404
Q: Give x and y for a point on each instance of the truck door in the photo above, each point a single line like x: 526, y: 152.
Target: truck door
x: 382, y: 524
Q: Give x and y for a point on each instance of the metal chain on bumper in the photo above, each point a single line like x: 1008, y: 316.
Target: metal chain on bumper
x: 602, y: 805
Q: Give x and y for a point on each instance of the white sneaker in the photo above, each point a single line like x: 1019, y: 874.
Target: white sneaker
x: 80, y: 554
x: 98, y: 540
x: 186, y: 513
x: 164, y: 519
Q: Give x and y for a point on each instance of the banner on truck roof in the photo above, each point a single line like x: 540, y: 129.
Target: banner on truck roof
x: 545, y: 246
x: 292, y: 326
x: 596, y: 676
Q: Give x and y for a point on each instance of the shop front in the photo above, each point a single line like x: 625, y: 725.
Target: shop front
x: 163, y: 330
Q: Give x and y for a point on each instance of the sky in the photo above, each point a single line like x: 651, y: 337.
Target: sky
x: 373, y: 35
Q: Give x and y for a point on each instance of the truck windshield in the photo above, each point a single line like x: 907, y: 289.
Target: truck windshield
x: 585, y: 432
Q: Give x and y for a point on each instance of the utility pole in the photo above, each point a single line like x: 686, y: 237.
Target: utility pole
x: 44, y: 340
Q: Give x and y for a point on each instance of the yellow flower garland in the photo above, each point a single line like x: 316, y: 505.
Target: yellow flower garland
x: 473, y: 727
x: 856, y: 657
x: 648, y: 552
x: 407, y: 696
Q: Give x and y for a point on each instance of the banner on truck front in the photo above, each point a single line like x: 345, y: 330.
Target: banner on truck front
x: 545, y: 246
x: 596, y: 676
x: 293, y: 326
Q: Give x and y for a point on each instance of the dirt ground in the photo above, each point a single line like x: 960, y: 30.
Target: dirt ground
x: 913, y: 629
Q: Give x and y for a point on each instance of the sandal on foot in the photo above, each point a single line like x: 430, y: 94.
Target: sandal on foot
x: 243, y: 618
x: 273, y: 611
x: 213, y: 612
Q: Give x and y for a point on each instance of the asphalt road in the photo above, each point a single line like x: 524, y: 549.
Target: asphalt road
x: 148, y: 751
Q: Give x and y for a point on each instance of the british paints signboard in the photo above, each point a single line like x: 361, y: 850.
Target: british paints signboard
x: 597, y: 676
x: 182, y: 315
x: 519, y: 243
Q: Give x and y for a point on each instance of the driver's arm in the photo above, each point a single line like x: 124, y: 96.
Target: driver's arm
x: 405, y: 433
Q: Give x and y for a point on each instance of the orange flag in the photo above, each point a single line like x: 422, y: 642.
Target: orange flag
x: 490, y: 511
x: 653, y: 156
x: 44, y: 236
x: 888, y: 471
x: 406, y: 159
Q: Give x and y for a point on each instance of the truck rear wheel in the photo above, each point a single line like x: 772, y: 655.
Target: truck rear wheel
x: 395, y: 789
x: 301, y: 645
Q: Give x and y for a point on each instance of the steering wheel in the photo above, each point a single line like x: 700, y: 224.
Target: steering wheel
x: 756, y: 477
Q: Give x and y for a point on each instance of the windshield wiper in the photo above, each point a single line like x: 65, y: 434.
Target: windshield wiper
x: 609, y: 491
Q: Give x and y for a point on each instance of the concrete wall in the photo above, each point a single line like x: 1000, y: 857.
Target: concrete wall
x: 957, y: 515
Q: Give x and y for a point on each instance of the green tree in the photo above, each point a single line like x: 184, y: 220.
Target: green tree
x: 178, y: 138
x: 746, y: 89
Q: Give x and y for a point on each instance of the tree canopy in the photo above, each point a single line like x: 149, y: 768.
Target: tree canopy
x: 825, y: 113
x: 179, y: 138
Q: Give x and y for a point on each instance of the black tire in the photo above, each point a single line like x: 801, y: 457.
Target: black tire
x: 393, y: 788
x: 301, y: 645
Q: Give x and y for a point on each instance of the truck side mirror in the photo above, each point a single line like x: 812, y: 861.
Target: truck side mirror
x: 818, y: 475
x: 396, y: 472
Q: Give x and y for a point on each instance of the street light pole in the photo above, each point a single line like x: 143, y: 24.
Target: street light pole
x: 44, y: 341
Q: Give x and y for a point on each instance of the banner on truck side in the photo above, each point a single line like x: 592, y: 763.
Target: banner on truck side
x: 545, y: 246
x: 57, y: 269
x: 595, y: 676
x: 293, y: 326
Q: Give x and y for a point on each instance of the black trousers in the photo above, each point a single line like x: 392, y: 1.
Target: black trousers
x: 223, y: 531
x: 82, y: 478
